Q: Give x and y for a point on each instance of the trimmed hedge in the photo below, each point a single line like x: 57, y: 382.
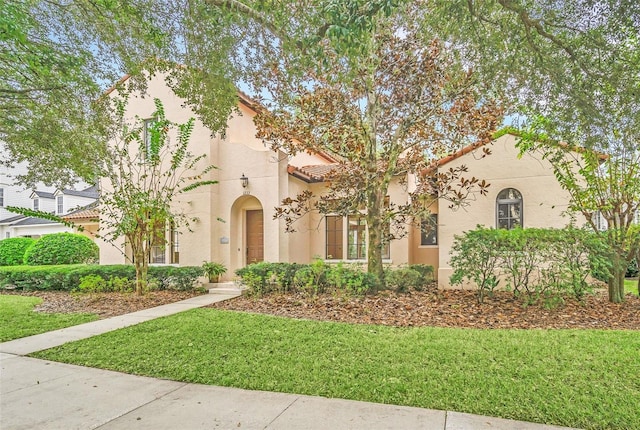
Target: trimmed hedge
x: 62, y: 248
x: 12, y: 250
x: 535, y: 263
x: 69, y: 277
x: 320, y: 277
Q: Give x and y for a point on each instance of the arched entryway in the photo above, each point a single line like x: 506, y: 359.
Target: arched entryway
x: 247, y: 231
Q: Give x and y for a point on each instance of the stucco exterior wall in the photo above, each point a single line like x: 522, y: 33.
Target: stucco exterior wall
x: 544, y: 201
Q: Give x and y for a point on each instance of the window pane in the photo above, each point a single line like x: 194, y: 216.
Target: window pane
x: 333, y: 237
x: 356, y: 238
x: 429, y: 231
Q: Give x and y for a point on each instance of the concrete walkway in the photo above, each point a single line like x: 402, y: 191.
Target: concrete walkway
x: 39, y: 394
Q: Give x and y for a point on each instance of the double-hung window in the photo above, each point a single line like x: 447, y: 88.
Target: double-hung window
x: 60, y: 204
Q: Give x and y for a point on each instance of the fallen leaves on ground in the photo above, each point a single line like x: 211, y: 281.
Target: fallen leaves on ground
x: 104, y: 305
x: 447, y: 308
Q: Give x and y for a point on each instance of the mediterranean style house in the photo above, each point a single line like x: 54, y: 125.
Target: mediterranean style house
x: 236, y: 225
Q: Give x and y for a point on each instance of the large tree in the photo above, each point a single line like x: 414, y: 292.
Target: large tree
x: 383, y: 101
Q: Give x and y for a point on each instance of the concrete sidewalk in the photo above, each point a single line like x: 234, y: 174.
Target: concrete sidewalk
x: 39, y: 394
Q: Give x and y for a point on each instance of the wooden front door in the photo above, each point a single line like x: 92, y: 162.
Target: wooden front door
x: 255, y: 236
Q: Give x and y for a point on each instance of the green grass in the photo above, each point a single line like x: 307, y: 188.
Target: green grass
x: 17, y: 318
x: 631, y: 286
x: 583, y: 378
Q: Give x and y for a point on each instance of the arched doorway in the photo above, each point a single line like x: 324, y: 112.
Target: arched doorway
x: 247, y: 232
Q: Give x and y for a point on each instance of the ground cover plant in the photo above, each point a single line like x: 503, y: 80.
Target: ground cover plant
x: 521, y: 374
x: 18, y: 319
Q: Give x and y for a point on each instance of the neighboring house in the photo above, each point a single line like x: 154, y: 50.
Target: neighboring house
x: 236, y: 225
x: 45, y: 199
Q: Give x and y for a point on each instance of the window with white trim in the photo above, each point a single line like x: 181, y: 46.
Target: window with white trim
x: 60, y: 204
x: 1, y: 197
x: 36, y: 204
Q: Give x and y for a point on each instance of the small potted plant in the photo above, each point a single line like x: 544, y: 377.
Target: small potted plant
x: 213, y: 270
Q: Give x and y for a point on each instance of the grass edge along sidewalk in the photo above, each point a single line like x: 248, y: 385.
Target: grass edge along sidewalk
x: 18, y: 319
x: 578, y: 378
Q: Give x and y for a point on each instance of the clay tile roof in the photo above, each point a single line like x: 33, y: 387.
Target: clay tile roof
x: 83, y: 214
x: 315, y: 173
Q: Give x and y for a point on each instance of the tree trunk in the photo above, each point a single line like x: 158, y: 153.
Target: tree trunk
x: 616, y: 282
x: 140, y: 262
x: 374, y: 237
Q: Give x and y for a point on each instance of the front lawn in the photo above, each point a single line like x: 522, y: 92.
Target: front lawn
x: 579, y: 378
x: 18, y: 319
x: 631, y: 286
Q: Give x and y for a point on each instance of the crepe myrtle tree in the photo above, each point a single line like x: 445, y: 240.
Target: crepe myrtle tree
x: 385, y: 104
x: 149, y: 166
x: 603, y: 183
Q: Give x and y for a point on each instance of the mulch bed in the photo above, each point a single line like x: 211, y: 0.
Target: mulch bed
x: 448, y: 308
x: 105, y: 305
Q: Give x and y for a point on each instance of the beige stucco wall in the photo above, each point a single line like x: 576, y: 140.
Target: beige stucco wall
x: 543, y: 199
x: 218, y: 234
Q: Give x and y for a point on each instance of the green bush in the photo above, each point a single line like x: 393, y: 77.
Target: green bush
x: 403, y: 279
x: 315, y: 278
x: 533, y: 263
x: 69, y: 277
x: 61, y: 248
x: 175, y: 278
x: 264, y: 277
x: 12, y: 250
x: 96, y: 284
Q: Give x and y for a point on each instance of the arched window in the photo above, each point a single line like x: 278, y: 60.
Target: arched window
x: 509, y: 209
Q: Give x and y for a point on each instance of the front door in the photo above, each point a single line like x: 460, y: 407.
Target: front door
x: 255, y: 236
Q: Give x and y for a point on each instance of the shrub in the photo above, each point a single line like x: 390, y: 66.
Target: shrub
x: 315, y: 278
x: 426, y: 274
x: 12, y: 250
x: 264, y: 277
x: 61, y: 248
x: 475, y: 257
x: 403, y: 279
x: 174, y: 278
x: 117, y: 276
x: 535, y: 263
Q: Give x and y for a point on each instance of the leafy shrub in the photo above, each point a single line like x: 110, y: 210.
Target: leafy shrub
x: 403, y: 279
x: 264, y: 277
x: 312, y: 279
x: 475, y: 257
x: 12, y: 250
x: 534, y: 263
x: 426, y: 274
x: 96, y: 284
x: 61, y: 248
x: 118, y: 276
x: 175, y: 278
x: 315, y: 278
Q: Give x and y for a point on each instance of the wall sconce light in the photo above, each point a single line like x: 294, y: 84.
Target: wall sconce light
x: 245, y: 181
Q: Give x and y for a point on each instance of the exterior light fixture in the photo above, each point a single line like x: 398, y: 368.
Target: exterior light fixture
x: 245, y: 181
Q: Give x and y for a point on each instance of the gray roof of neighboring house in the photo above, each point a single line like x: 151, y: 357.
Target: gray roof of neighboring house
x: 34, y: 221
x: 44, y: 194
x: 91, y: 192
x: 12, y: 219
